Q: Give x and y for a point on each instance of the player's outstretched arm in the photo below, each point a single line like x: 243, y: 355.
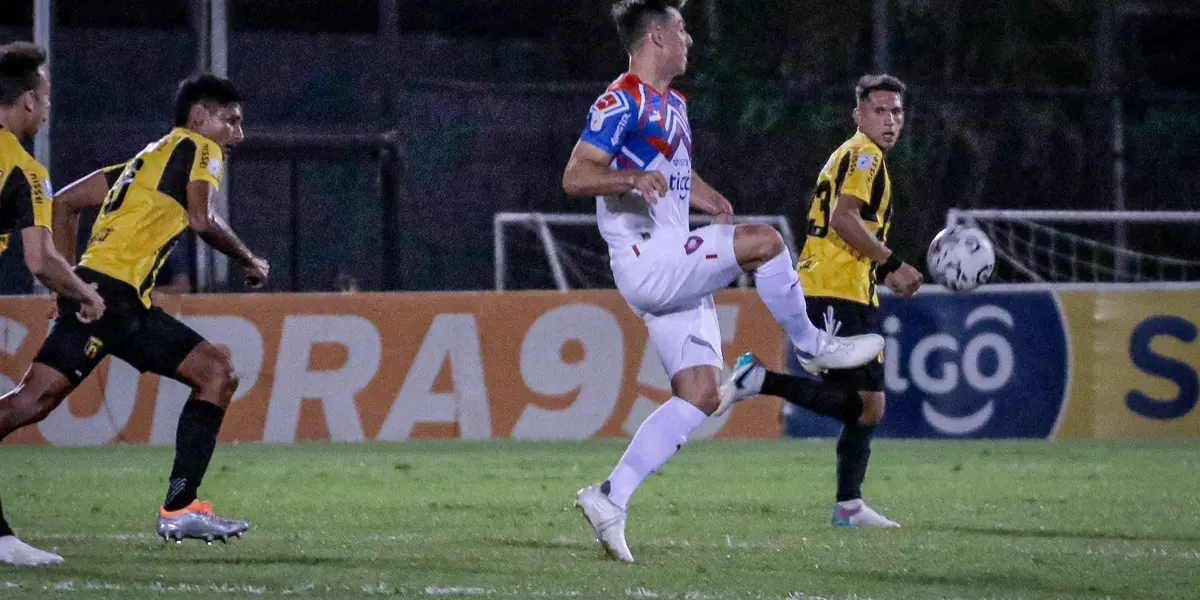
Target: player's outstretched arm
x: 216, y: 232
x: 588, y: 174
x: 847, y: 221
x: 69, y: 202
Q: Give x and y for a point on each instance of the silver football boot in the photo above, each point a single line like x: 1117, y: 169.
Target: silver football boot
x: 198, y: 522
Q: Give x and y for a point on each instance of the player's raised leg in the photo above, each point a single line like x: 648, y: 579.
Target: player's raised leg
x: 209, y: 372
x: 839, y: 397
x: 760, y: 250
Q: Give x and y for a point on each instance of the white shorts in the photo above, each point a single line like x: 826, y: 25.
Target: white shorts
x: 668, y: 280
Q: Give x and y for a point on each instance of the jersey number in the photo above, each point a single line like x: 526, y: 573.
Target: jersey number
x: 116, y: 196
x: 818, y: 223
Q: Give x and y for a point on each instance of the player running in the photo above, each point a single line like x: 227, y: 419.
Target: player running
x: 25, y: 207
x: 165, y: 189
x: 845, y: 255
x: 635, y: 157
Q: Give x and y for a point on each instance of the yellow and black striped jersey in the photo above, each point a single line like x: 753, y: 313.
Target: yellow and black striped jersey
x: 828, y: 266
x: 25, y: 193
x: 145, y: 211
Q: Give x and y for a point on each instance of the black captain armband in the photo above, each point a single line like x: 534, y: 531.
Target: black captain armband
x: 888, y: 267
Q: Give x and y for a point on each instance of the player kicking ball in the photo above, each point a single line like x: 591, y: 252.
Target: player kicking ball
x: 165, y: 189
x: 844, y: 256
x: 635, y: 157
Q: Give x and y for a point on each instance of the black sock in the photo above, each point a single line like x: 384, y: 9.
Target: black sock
x: 195, y: 440
x: 853, y: 452
x: 822, y: 398
x: 4, y: 528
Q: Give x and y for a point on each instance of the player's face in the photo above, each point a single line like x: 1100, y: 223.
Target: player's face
x: 38, y: 102
x: 675, y: 42
x: 881, y: 117
x: 224, y: 125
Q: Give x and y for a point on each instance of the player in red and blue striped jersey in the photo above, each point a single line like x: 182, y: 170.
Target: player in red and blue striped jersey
x: 635, y: 157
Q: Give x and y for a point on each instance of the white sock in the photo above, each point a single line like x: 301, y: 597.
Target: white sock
x: 780, y: 290
x: 659, y: 437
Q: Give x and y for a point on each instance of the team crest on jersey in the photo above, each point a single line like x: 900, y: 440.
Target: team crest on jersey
x: 93, y: 347
x: 692, y: 244
x: 608, y: 105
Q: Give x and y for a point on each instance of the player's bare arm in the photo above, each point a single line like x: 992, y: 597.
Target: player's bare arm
x: 216, y: 232
x: 53, y: 271
x: 68, y: 203
x: 847, y: 222
x: 589, y: 173
x: 707, y: 199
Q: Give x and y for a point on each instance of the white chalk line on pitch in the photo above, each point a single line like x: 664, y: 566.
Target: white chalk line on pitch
x: 383, y: 589
x: 1112, y: 549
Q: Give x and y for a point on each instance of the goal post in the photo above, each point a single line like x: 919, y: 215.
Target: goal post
x: 562, y: 256
x: 1088, y: 246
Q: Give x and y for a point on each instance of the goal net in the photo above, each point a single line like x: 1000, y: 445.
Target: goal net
x: 564, y: 251
x: 1089, y: 246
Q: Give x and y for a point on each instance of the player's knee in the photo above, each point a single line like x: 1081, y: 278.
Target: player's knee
x: 767, y: 240
x: 220, y: 378
x: 707, y: 402
x: 873, y: 404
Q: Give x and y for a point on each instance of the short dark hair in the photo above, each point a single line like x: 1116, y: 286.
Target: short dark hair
x: 19, y: 64
x: 878, y: 83
x: 631, y: 17
x: 203, y: 88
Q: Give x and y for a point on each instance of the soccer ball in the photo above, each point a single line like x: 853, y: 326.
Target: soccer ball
x: 961, y: 258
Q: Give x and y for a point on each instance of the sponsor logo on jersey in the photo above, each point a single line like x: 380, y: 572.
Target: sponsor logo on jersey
x: 864, y: 162
x: 620, y: 129
x: 610, y: 104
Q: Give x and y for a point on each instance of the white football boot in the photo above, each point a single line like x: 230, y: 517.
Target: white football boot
x: 840, y: 352
x: 19, y: 554
x: 856, y: 513
x: 607, y: 521
x: 744, y: 381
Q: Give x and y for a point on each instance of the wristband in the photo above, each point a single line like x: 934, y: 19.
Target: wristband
x: 888, y: 267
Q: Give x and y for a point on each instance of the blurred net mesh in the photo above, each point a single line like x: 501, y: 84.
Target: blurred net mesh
x: 1073, y: 250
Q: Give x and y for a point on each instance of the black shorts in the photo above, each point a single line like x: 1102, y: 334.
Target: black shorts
x: 148, y: 339
x: 856, y: 319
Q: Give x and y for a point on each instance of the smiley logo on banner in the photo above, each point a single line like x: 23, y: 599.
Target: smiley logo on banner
x: 974, y: 365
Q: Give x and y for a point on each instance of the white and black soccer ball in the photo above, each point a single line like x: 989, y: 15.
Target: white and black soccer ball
x: 961, y: 258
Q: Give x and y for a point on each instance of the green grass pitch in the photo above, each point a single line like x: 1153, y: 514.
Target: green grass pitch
x: 723, y: 520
